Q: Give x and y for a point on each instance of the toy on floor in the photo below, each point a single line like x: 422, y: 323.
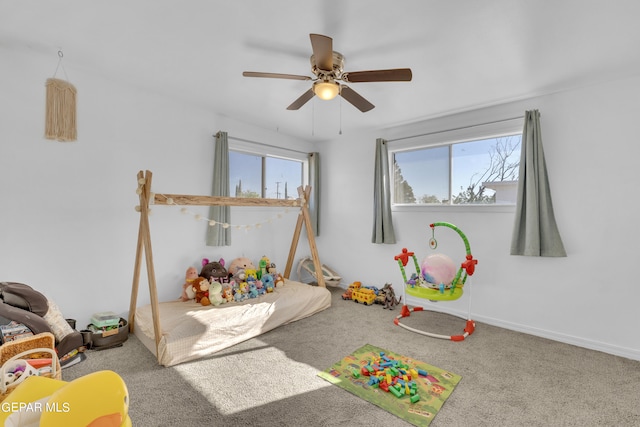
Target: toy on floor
x: 348, y: 293
x: 97, y: 399
x: 390, y: 299
x: 364, y: 295
x: 367, y: 295
x: 393, y: 376
x: 437, y: 280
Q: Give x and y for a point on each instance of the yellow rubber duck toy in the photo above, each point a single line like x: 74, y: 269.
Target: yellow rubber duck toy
x: 99, y: 399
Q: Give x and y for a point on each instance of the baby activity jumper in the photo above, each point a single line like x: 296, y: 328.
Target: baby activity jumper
x: 436, y: 279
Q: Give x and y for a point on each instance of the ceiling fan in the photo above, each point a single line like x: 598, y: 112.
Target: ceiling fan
x: 327, y: 66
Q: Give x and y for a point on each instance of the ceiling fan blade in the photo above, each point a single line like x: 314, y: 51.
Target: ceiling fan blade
x: 275, y: 75
x: 355, y: 99
x: 394, y: 75
x: 322, y: 51
x: 302, y: 100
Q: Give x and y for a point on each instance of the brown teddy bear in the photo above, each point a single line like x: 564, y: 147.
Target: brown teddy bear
x: 201, y: 289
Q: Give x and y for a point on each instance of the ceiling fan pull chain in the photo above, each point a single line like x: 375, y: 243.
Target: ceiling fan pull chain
x: 340, y: 131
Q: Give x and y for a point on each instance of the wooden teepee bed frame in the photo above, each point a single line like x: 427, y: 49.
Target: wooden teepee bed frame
x: 144, y: 236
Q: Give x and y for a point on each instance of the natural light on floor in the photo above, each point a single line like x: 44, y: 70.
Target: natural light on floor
x: 233, y: 391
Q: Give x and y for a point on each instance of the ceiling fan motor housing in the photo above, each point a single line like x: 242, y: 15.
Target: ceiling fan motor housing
x: 338, y: 67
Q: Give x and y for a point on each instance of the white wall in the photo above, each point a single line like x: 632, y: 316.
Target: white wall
x: 590, y: 298
x: 68, y: 226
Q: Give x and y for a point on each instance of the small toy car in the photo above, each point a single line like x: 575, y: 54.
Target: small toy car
x: 348, y: 293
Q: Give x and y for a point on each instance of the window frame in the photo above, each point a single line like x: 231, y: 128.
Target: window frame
x: 264, y: 151
x: 448, y: 137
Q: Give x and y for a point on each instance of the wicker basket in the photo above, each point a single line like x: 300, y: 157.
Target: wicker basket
x: 36, y: 347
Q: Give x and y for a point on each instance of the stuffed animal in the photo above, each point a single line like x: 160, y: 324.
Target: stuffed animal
x: 243, y: 287
x: 215, y: 293
x: 187, y: 286
x: 227, y: 293
x: 239, y: 276
x: 260, y: 287
x: 271, y: 269
x: 253, y: 291
x: 390, y: 299
x: 214, y: 270
x: 239, y: 296
x: 279, y: 280
x: 268, y: 283
x: 252, y: 274
x: 201, y: 289
x: 241, y: 262
x: 263, y: 266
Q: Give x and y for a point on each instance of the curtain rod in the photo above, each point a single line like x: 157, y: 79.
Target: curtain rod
x: 260, y: 143
x: 454, y: 129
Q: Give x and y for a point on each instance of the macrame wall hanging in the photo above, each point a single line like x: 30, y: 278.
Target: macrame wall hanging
x: 60, y: 115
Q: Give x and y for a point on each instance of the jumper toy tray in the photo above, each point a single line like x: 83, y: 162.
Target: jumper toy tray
x: 435, y: 294
x: 436, y: 280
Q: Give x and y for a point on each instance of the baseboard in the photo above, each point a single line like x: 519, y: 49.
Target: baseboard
x: 552, y: 335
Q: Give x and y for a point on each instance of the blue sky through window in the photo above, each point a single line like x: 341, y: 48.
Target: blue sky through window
x: 282, y: 176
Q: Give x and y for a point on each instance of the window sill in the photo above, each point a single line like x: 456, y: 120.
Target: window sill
x: 494, y: 208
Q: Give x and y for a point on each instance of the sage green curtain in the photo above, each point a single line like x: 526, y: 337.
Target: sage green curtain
x: 382, y: 221
x: 314, y: 182
x: 218, y: 235
x: 535, y: 231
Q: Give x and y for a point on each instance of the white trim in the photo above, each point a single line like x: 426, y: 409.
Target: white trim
x: 440, y: 209
x: 445, y: 136
x: 259, y: 149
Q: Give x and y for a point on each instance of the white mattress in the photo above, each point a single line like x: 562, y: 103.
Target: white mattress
x: 191, y: 331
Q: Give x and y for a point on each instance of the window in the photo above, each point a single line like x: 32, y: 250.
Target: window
x: 253, y: 175
x: 479, y: 172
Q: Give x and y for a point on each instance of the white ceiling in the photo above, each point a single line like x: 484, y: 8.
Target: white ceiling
x: 464, y: 54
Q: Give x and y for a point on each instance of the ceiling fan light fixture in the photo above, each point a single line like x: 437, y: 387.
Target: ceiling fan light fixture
x: 326, y: 90
x: 327, y: 66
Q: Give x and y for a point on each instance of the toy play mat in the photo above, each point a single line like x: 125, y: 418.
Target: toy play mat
x: 408, y: 388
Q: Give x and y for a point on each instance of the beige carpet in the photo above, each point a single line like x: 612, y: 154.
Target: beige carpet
x: 508, y: 378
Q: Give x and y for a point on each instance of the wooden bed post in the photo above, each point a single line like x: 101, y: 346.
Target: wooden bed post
x: 144, y: 237
x: 144, y: 245
x: 306, y: 218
